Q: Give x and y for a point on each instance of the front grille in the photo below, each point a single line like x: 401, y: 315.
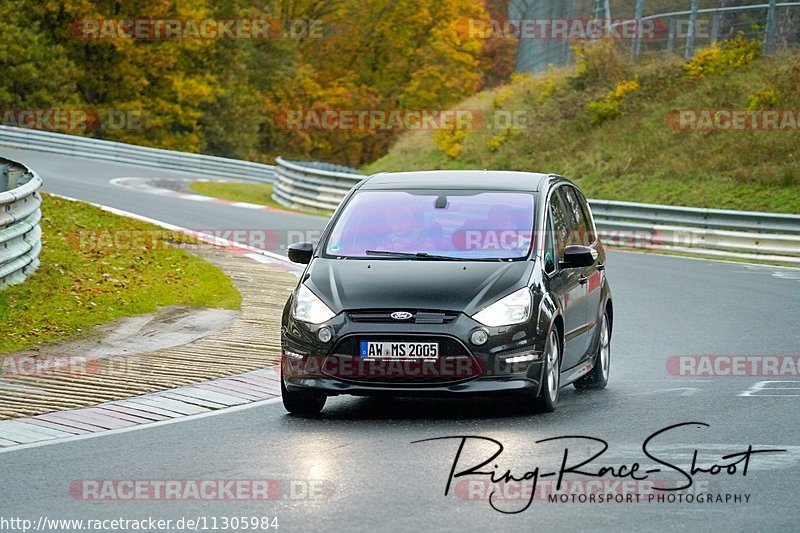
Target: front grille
x: 454, y: 364
x: 418, y: 317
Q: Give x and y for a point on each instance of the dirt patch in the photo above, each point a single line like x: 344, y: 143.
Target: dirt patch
x: 167, y: 328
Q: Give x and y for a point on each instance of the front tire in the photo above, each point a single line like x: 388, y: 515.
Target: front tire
x: 302, y: 403
x: 597, y: 378
x: 551, y: 374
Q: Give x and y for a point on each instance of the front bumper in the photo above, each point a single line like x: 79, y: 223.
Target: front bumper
x: 511, y: 361
x: 476, y: 387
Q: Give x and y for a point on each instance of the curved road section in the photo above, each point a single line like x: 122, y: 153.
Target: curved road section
x: 705, y: 351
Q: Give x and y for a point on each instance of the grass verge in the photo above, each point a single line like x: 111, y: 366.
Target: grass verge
x: 253, y: 193
x: 97, y: 267
x: 610, y: 125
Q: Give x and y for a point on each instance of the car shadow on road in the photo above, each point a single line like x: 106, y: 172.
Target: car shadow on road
x: 472, y: 408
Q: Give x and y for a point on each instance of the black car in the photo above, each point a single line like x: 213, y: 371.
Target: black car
x: 450, y: 283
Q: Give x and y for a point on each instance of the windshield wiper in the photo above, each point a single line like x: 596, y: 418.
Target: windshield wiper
x: 414, y: 255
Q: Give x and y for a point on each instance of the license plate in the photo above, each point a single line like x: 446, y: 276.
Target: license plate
x: 400, y: 350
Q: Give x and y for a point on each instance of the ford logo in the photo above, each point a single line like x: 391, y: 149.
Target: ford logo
x: 401, y: 315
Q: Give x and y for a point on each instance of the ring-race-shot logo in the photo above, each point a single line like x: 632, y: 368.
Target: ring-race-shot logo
x: 573, y: 464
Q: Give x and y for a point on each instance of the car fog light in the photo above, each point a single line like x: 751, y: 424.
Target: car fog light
x: 325, y: 334
x: 521, y: 359
x: 479, y: 337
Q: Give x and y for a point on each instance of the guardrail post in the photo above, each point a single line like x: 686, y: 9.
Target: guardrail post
x: 672, y: 31
x: 12, y: 178
x: 715, y: 23
x: 602, y: 11
x: 551, y: 48
x: 565, y: 49
x: 597, y: 13
x: 637, y: 41
x: 692, y: 37
x: 772, y: 23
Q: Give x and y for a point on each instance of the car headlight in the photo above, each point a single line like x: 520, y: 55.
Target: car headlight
x: 307, y: 307
x: 513, y: 309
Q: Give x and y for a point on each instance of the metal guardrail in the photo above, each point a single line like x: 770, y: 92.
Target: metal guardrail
x: 322, y: 186
x: 719, y: 233
x: 20, y: 213
x: 749, y: 221
x: 312, y: 185
x: 695, y: 11
x: 202, y: 165
x: 708, y: 232
x: 687, y: 25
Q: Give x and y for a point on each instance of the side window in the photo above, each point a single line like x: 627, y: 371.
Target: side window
x: 561, y: 228
x: 581, y: 230
x: 549, y: 248
x: 588, y: 213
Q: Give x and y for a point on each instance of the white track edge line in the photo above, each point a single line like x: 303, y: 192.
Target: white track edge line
x: 158, y: 423
x: 210, y: 239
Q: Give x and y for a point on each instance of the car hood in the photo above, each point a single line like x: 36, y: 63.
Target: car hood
x: 436, y: 285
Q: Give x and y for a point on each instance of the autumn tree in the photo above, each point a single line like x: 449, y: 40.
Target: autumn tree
x: 222, y: 96
x: 387, y: 55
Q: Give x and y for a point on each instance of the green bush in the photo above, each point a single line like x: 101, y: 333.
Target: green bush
x: 763, y: 99
x: 719, y: 58
x: 611, y: 105
x: 600, y: 62
x: 450, y: 141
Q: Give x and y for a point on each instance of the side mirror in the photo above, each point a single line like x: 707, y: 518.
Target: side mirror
x: 577, y: 256
x: 300, y: 252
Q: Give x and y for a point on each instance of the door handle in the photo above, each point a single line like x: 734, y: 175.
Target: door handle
x: 582, y: 280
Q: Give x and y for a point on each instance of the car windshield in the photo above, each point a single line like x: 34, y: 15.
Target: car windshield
x: 437, y: 225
